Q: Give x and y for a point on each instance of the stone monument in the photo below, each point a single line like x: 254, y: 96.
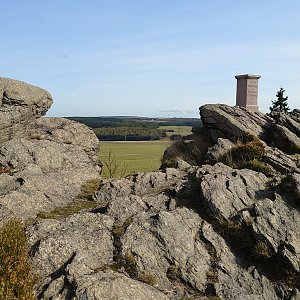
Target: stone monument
x: 247, y: 91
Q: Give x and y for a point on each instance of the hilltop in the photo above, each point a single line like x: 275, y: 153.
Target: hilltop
x: 219, y: 220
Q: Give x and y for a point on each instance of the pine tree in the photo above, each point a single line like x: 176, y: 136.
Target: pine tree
x: 280, y: 105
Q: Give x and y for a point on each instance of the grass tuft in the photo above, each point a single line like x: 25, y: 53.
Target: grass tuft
x: 247, y: 154
x: 89, y: 188
x: 71, y: 209
x: 16, y: 277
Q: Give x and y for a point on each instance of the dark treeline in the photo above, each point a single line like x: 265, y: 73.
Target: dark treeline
x: 128, y: 133
x: 149, y: 123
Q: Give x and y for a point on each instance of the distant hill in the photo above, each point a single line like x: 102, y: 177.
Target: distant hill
x: 130, y: 121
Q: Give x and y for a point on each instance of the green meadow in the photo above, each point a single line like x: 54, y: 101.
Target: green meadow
x: 132, y: 157
x: 182, y: 130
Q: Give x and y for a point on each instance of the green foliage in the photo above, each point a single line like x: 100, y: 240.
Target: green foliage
x: 280, y: 104
x: 16, y: 277
x: 128, y: 133
x: 141, y: 122
x: 148, y: 278
x: 137, y: 156
x: 130, y: 265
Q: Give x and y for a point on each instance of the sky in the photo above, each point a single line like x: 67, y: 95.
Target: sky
x: 153, y: 58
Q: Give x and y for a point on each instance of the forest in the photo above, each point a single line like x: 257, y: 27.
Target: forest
x: 133, y: 128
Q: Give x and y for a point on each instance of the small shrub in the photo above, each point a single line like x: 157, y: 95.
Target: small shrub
x: 262, y: 250
x: 16, y: 278
x: 244, y: 152
x: 258, y: 166
x: 148, y: 278
x: 113, y: 167
x: 247, y: 154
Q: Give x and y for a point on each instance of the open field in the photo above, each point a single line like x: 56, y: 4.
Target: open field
x: 135, y: 156
x: 182, y: 130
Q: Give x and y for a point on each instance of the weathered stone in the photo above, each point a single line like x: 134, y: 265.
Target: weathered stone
x: 109, y: 285
x: 65, y: 131
x: 170, y: 244
x: 20, y: 104
x: 280, y: 161
x: 44, y: 175
x: 78, y: 245
x: 230, y: 279
x: 138, y: 193
x: 277, y: 223
x: 289, y: 120
x: 234, y: 122
x: 215, y: 152
x: 285, y: 139
x: 227, y: 191
x: 179, y: 233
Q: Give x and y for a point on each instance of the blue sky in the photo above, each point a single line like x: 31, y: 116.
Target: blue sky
x: 150, y: 57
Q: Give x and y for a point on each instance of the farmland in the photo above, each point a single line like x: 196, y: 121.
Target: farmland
x: 132, y: 157
x: 178, y: 130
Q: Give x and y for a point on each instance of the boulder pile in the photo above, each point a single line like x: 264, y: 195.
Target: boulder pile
x: 206, y: 231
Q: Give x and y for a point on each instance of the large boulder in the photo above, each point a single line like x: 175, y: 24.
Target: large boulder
x: 234, y: 122
x: 278, y: 129
x: 44, y: 162
x: 20, y: 104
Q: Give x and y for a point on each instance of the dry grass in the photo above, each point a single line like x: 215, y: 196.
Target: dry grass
x: 16, y: 278
x: 247, y: 154
x: 89, y: 188
x: 71, y: 209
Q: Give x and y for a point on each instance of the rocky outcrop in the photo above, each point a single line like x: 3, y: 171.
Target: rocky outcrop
x: 162, y: 237
x: 44, y: 166
x: 278, y: 129
x: 20, y: 104
x: 233, y: 122
x: 206, y: 231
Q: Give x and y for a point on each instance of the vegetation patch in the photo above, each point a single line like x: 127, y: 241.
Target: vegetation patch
x: 248, y: 154
x: 148, y: 278
x: 72, y: 208
x: 89, y: 188
x: 132, y: 156
x: 258, y: 166
x: 190, y: 152
x: 16, y: 276
x: 261, y: 250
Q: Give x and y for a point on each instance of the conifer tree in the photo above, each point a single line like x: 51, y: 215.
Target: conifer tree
x: 280, y: 104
